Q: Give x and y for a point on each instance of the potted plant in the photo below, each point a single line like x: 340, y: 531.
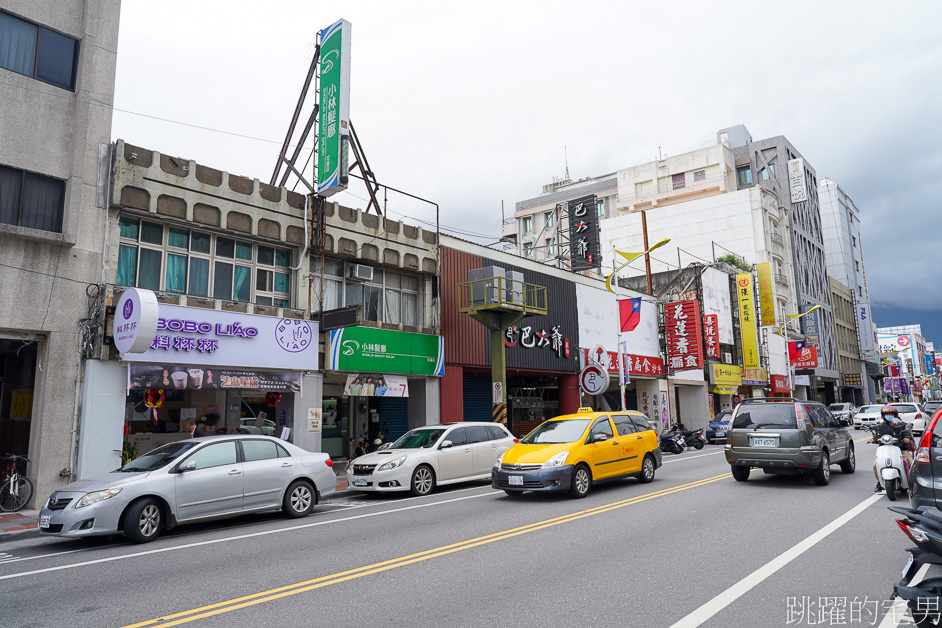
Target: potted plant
x: 211, y: 419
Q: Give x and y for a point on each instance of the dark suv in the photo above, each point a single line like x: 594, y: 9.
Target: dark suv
x: 788, y: 436
x: 925, y: 478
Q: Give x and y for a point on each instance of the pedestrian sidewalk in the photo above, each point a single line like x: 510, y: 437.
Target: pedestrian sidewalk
x: 15, y: 522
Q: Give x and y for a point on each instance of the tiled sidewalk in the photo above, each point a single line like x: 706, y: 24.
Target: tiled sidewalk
x: 22, y: 521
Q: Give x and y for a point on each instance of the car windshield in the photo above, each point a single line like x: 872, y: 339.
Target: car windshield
x: 903, y: 408
x: 556, y: 432
x: 418, y: 439
x: 160, y: 457
x: 866, y: 409
x: 722, y: 417
x: 932, y: 406
x: 756, y: 415
x: 836, y: 407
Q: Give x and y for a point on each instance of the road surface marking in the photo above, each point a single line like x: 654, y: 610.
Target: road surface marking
x: 712, y: 453
x: 324, y: 581
x: 742, y: 587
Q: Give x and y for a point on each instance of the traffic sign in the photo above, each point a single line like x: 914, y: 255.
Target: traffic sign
x: 593, y: 379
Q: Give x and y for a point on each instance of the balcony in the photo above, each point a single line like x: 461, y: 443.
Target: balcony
x: 781, y: 279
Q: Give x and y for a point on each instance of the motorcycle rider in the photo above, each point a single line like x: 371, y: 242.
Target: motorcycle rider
x: 896, y: 428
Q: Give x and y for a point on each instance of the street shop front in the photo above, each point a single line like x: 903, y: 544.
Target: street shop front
x: 379, y: 383
x: 645, y: 385
x: 725, y: 382
x: 755, y: 382
x: 228, y: 371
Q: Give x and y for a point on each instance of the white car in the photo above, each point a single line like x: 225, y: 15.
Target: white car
x: 249, y: 425
x: 867, y: 416
x: 429, y: 456
x: 913, y: 414
x: 843, y: 411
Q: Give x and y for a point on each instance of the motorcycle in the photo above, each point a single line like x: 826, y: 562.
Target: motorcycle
x: 672, y: 441
x: 694, y: 438
x: 923, y: 598
x: 891, y: 466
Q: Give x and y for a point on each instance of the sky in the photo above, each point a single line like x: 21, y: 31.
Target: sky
x: 477, y: 105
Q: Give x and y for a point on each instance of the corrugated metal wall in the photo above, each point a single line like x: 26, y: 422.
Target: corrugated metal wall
x: 451, y: 393
x: 477, y: 398
x: 394, y: 412
x: 466, y: 340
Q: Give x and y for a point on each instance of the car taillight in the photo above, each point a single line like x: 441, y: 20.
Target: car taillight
x: 800, y: 416
x: 922, y: 454
x: 516, y: 441
x: 912, y: 532
x: 329, y: 462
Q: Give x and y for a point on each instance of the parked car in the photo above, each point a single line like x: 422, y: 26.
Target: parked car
x: 719, y: 426
x: 788, y: 436
x: 570, y: 453
x: 925, y: 477
x: 843, y: 411
x: 912, y: 413
x: 868, y: 416
x: 932, y: 407
x: 249, y: 425
x: 190, y: 480
x: 431, y: 456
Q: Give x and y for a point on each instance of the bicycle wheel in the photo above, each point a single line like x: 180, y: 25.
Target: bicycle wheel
x: 12, y: 500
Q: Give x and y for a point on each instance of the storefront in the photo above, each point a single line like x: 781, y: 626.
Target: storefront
x: 379, y: 383
x: 230, y: 372
x: 725, y: 382
x: 779, y: 386
x: 645, y: 386
x: 755, y: 382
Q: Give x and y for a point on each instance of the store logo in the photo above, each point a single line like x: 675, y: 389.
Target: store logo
x: 293, y: 336
x: 128, y: 308
x: 903, y: 341
x: 350, y: 347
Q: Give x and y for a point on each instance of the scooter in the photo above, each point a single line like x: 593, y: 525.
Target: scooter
x: 694, y: 438
x: 891, y: 467
x: 925, y: 530
x: 672, y: 441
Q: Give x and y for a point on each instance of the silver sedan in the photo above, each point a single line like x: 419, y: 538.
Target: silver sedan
x: 200, y: 478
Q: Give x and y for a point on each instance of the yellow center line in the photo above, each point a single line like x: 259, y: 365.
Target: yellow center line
x: 310, y: 585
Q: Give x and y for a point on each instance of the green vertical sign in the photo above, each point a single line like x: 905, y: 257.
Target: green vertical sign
x: 333, y: 135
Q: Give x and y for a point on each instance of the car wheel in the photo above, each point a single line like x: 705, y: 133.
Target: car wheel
x: 513, y: 493
x: 848, y: 465
x: 822, y: 475
x: 299, y: 500
x: 647, y: 470
x: 581, y: 482
x: 740, y: 474
x: 890, y: 486
x: 143, y: 521
x: 423, y: 480
x: 710, y: 441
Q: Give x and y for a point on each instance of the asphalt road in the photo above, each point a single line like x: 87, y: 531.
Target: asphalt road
x: 694, y: 547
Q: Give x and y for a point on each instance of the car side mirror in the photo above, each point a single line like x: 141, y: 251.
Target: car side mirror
x: 384, y: 446
x: 187, y: 466
x: 600, y: 438
x: 446, y: 444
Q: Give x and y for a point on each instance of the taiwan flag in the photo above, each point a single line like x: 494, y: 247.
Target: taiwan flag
x: 794, y: 350
x: 629, y: 312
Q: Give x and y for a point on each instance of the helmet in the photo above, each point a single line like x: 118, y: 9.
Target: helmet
x: 378, y: 441
x: 889, y: 413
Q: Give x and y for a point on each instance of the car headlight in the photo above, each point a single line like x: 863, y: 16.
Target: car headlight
x: 499, y: 459
x: 392, y: 464
x: 96, y: 496
x: 556, y: 461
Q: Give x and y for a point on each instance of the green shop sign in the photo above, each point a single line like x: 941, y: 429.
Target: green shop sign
x: 334, y: 113
x: 371, y: 350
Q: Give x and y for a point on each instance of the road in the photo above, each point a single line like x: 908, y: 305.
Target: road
x: 694, y: 547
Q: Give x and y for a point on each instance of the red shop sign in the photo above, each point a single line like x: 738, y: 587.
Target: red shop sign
x: 684, y: 335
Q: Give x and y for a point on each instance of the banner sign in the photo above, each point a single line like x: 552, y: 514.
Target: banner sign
x: 780, y: 384
x: 333, y: 135
x: 903, y: 386
x: 637, y: 364
x: 194, y: 335
x: 796, y: 180
x: 809, y: 324
x: 865, y: 332
x: 684, y: 335
x: 180, y: 377
x: 766, y: 293
x: 711, y: 338
x: 369, y: 385
x: 747, y: 321
x: 852, y: 379
x: 727, y: 375
x: 385, y: 351
x: 584, y: 249
x: 755, y: 377
x: 802, y: 356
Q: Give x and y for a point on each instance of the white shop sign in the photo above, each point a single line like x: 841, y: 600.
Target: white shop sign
x: 189, y: 335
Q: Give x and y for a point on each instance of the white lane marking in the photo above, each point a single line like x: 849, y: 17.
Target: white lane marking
x: 897, y: 613
x: 712, y: 453
x: 742, y: 587
x: 237, y: 538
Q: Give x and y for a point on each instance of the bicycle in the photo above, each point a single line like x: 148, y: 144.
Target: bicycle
x: 16, y: 490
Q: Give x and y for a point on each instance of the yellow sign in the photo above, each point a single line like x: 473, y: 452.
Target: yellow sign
x: 727, y: 375
x: 22, y: 404
x: 747, y: 321
x: 755, y: 377
x: 726, y: 390
x: 766, y: 293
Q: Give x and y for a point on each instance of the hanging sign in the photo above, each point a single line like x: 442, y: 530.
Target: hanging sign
x: 593, y: 380
x: 766, y: 293
x: 135, y: 320
x: 684, y: 335
x: 711, y: 338
x: 747, y: 321
x: 333, y: 136
x: 584, y: 233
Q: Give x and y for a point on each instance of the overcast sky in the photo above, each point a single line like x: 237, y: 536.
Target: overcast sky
x: 470, y: 104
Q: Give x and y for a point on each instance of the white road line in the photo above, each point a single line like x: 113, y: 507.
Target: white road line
x: 897, y: 612
x: 712, y: 453
x: 742, y: 587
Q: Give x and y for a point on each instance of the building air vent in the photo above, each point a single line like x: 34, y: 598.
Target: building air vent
x: 727, y: 357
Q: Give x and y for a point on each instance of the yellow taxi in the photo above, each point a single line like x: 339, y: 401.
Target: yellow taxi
x: 574, y: 451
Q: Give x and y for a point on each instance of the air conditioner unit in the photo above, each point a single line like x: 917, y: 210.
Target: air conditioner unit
x: 727, y: 357
x: 360, y: 272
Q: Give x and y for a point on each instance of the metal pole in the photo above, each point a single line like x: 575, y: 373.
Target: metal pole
x: 621, y: 359
x: 647, y: 254
x: 788, y: 362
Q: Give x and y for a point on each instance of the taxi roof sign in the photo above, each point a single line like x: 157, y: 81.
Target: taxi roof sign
x: 581, y: 410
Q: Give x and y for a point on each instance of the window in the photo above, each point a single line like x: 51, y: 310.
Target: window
x: 31, y: 200
x: 259, y: 450
x: 853, y: 241
x: 772, y: 169
x: 551, y: 247
x: 181, y: 261
x: 479, y: 433
x: 527, y: 224
x: 699, y: 175
x: 390, y: 297
x: 550, y: 218
x: 458, y: 437
x: 600, y: 207
x: 602, y: 426
x: 744, y: 175
x: 214, y: 455
x: 37, y: 52
x: 497, y: 433
x: 857, y: 266
x: 764, y: 174
x: 642, y: 424
x: 678, y: 181
x: 528, y: 250
x: 623, y: 424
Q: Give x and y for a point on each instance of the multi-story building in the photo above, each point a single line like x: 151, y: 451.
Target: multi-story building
x: 853, y: 373
x: 57, y: 68
x: 906, y: 347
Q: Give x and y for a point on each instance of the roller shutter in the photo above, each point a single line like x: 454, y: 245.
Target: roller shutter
x: 477, y: 399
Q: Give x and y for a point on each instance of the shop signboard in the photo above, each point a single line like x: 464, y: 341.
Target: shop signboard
x: 175, y: 376
x: 796, y: 180
x: 333, y: 138
x: 865, y: 332
x: 208, y: 338
x: 592, y: 379
x: 370, y: 385
x: 711, y: 339
x: 780, y: 383
x: 584, y: 249
x: 747, y: 321
x: 684, y: 335
x: 802, y: 356
x: 135, y: 320
x: 665, y: 411
x: 766, y: 293
x: 852, y: 379
x: 636, y: 364
x: 755, y: 377
x: 727, y: 375
x: 368, y: 349
x: 809, y: 323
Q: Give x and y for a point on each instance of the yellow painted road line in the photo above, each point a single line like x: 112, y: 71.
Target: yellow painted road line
x: 324, y: 581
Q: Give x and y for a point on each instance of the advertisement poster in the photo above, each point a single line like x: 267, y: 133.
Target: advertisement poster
x: 747, y: 321
x: 368, y: 385
x: 181, y: 377
x: 314, y: 420
x: 665, y: 412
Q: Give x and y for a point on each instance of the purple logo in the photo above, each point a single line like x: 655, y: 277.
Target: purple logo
x: 292, y: 335
x: 128, y: 308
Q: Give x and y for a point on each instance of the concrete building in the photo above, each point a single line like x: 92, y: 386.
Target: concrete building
x: 57, y: 66
x: 905, y: 346
x: 853, y: 374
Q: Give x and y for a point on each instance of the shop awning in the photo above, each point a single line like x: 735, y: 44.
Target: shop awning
x: 726, y: 390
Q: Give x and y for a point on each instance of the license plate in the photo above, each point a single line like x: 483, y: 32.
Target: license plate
x: 720, y: 433
x: 515, y: 480
x: 764, y: 442
x: 359, y: 481
x: 909, y: 564
x: 44, y: 521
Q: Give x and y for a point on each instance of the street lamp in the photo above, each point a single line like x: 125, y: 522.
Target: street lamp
x: 629, y: 257
x: 788, y: 357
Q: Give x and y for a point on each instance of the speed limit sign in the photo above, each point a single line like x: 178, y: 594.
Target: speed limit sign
x: 593, y: 379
